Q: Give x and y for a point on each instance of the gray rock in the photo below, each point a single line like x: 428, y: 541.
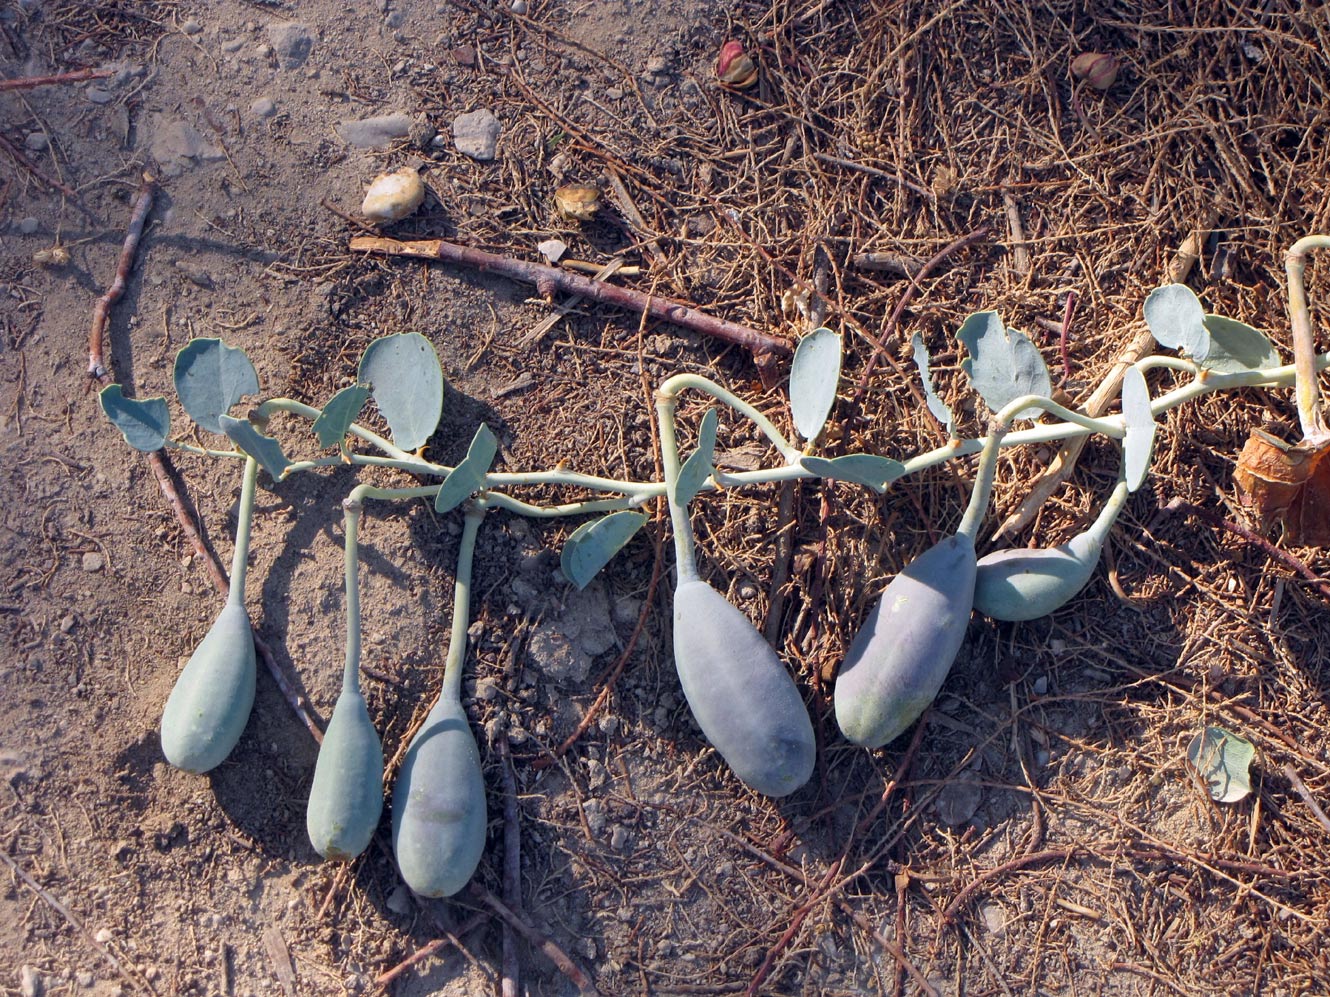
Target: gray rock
x: 191, y: 27
x: 176, y: 146
x: 399, y: 901
x: 375, y: 133
x: 263, y: 107
x: 98, y: 95
x: 28, y: 225
x: 233, y: 45
x: 35, y: 142
x: 93, y: 561
x: 476, y: 134
x: 291, y: 42
x: 30, y: 982
x: 555, y: 654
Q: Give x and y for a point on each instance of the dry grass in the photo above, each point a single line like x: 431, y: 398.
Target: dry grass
x: 1094, y: 864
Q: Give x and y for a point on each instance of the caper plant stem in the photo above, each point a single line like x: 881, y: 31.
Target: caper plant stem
x: 244, y: 519
x: 501, y: 501
x: 1306, y: 388
x: 352, y: 506
x: 1109, y: 513
x: 369, y: 460
x: 983, y: 482
x: 677, y: 383
x: 370, y: 437
x: 452, y: 665
x: 201, y: 451
x: 685, y: 556
x: 1172, y: 363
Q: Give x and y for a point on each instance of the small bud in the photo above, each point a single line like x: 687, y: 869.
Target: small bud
x: 1096, y: 69
x: 734, y: 67
x: 577, y: 202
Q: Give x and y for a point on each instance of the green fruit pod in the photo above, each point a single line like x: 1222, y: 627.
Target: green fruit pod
x: 741, y: 695
x: 346, y: 798
x: 207, y: 710
x: 901, y: 657
x: 1016, y: 585
x: 439, y: 805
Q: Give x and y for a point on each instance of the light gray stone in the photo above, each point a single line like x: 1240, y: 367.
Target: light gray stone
x: 476, y: 134
x: 375, y: 133
x: 263, y: 107
x: 98, y: 95
x: 28, y: 225
x: 291, y: 42
x: 191, y: 27
x: 35, y: 141
x: 233, y: 45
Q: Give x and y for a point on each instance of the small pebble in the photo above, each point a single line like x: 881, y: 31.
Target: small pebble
x: 67, y: 624
x: 93, y: 561
x: 85, y: 979
x: 399, y: 901
x: 1041, y: 685
x: 263, y: 107
x: 263, y: 51
x: 98, y: 95
x: 658, y: 64
x: 30, y: 982
x: 519, y: 7
x: 233, y: 45
x: 35, y: 142
x: 28, y: 225
x: 191, y: 27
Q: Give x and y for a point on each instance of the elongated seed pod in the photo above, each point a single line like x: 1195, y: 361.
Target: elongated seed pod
x: 207, y: 710
x: 1020, y: 584
x: 439, y: 804
x: 741, y: 695
x: 900, y: 658
x: 346, y: 798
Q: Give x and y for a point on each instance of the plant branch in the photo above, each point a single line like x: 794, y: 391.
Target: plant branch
x: 77, y: 76
x: 550, y: 279
x: 1304, y: 344
x: 555, y: 954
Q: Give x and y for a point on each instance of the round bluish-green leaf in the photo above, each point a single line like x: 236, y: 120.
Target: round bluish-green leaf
x: 1224, y: 761
x: 1177, y: 320
x: 1236, y: 347
x: 144, y: 423
x: 342, y: 408
x: 594, y: 542
x: 468, y: 477
x: 1138, y: 444
x: 210, y: 377
x: 861, y: 468
x: 1003, y: 363
x: 940, y: 409
x: 264, y: 449
x: 407, y: 384
x: 700, y: 463
x: 814, y: 375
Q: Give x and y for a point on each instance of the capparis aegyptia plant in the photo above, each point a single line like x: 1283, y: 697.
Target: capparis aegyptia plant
x: 745, y: 701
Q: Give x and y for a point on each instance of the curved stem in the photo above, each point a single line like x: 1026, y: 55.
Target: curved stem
x: 677, y: 383
x: 452, y: 665
x: 685, y: 554
x: 1172, y: 363
x: 370, y: 437
x: 245, y: 518
x: 352, y: 506
x: 1108, y: 515
x: 501, y: 501
x: 983, y: 482
x: 1306, y: 388
x: 200, y: 451
x: 557, y: 476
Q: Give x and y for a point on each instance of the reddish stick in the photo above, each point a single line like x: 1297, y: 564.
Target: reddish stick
x: 161, y: 468
x: 77, y: 76
x: 548, y: 280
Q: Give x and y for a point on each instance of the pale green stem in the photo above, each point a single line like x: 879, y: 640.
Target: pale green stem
x: 1172, y: 363
x: 1109, y: 513
x: 1306, y: 388
x: 347, y: 459
x: 351, y: 674
x: 452, y: 665
x: 370, y: 437
x: 244, y: 519
x: 501, y: 501
x: 677, y: 383
x: 983, y: 482
x: 685, y: 555
x: 636, y: 489
x: 200, y: 451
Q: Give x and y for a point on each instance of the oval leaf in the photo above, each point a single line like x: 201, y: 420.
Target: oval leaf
x: 1003, y: 364
x: 264, y: 449
x: 145, y: 424
x: 699, y: 465
x: 940, y: 409
x: 210, y: 377
x: 593, y: 544
x: 1224, y: 761
x: 1236, y: 347
x: 1138, y: 444
x: 860, y: 468
x: 338, y: 414
x: 1177, y: 320
x: 468, y: 477
x: 407, y: 383
x: 814, y: 376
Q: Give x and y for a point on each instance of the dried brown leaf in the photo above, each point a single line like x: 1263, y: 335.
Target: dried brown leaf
x: 1288, y: 483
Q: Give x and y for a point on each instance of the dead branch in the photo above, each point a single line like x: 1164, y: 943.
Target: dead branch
x: 556, y: 955
x: 548, y: 280
x: 77, y: 76
x: 158, y: 461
